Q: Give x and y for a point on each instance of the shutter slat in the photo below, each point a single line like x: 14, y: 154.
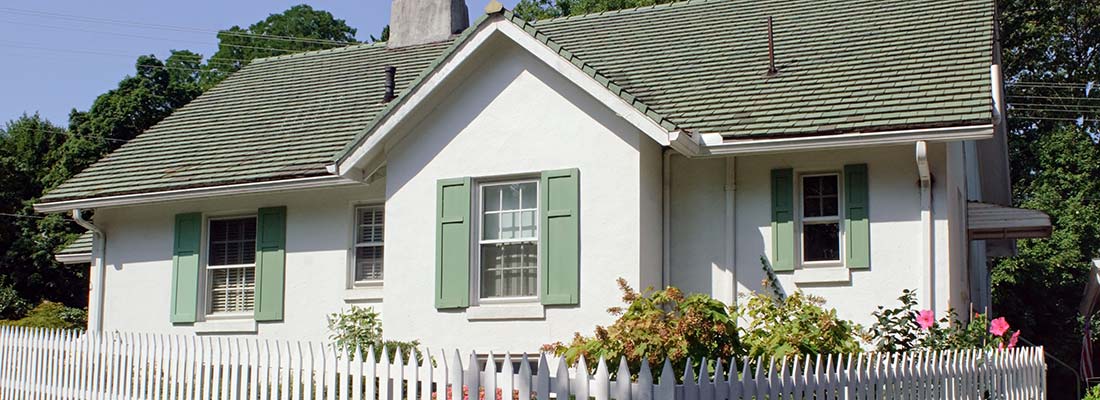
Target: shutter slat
x: 270, y: 263
x: 783, y: 220
x: 185, y: 267
x: 452, y: 241
x: 857, y: 227
x: 560, y: 237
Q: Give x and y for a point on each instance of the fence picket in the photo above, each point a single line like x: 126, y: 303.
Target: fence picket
x: 66, y: 364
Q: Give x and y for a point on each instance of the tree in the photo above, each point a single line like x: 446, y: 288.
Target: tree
x: 300, y: 28
x: 1050, y: 53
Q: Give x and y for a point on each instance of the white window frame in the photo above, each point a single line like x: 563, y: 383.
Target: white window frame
x: 355, y: 245
x: 479, y: 213
x: 802, y: 221
x: 207, y: 285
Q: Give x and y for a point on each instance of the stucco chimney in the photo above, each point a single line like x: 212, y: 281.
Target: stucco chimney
x: 426, y: 21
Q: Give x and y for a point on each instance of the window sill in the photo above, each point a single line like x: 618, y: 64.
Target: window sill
x: 227, y: 326
x: 817, y: 275
x: 364, y: 293
x: 504, y: 312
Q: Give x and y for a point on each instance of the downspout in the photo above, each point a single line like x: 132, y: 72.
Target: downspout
x: 998, y: 95
x: 927, y: 250
x: 731, y: 227
x: 98, y: 272
x: 666, y: 218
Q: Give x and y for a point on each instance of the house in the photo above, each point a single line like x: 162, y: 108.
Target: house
x: 484, y: 186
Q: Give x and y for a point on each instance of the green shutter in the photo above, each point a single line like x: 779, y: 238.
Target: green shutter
x: 783, y: 220
x: 270, y: 263
x: 452, y: 244
x: 857, y: 228
x: 560, y: 237
x: 185, y: 267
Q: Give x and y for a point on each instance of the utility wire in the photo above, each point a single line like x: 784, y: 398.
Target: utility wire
x: 142, y: 25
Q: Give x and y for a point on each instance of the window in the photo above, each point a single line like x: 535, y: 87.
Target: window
x: 231, y: 265
x: 369, y: 224
x: 508, y: 239
x: 820, y: 218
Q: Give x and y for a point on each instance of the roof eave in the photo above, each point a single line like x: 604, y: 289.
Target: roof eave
x: 713, y: 144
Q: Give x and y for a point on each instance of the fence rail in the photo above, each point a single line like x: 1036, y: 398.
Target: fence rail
x: 61, y: 364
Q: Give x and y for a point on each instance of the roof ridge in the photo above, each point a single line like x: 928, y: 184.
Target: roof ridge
x: 629, y: 10
x: 350, y: 47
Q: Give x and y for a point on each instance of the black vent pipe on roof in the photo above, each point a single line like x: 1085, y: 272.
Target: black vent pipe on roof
x: 771, y: 50
x: 391, y: 73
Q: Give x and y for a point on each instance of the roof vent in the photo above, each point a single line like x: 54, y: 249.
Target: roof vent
x: 391, y: 74
x: 771, y: 50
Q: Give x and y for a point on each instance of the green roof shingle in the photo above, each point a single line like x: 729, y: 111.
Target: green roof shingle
x: 699, y: 65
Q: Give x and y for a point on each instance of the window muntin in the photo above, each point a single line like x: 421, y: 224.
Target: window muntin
x: 369, y: 234
x: 508, y: 239
x: 231, y: 265
x: 820, y: 218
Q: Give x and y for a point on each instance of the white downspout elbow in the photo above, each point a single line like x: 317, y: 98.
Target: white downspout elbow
x: 998, y: 94
x: 928, y: 255
x: 98, y: 272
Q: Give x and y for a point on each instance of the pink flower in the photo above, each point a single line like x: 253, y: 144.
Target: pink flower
x: 998, y: 327
x: 1012, y: 341
x: 926, y: 319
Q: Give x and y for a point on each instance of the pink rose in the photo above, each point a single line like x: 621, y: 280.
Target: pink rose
x: 926, y: 319
x: 998, y: 327
x: 1012, y: 341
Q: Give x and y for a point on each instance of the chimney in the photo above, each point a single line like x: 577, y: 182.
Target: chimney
x: 415, y: 22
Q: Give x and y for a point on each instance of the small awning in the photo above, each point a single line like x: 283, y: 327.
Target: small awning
x: 994, y: 222
x: 77, y: 252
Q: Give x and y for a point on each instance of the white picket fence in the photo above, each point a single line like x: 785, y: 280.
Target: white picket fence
x: 57, y: 364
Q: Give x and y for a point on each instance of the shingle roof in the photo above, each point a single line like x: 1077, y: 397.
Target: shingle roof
x: 81, y: 247
x: 700, y: 65
x: 277, y: 118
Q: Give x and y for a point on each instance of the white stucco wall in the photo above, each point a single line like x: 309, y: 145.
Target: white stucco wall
x: 517, y: 116
x: 318, y: 236
x: 699, y: 241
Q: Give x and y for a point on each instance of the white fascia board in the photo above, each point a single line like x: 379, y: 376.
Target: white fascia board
x: 372, y: 147
x: 710, y: 146
x: 77, y: 258
x: 195, y: 193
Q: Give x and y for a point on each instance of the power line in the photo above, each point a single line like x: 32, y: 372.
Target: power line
x: 142, y: 25
x: 30, y: 216
x: 1053, y: 97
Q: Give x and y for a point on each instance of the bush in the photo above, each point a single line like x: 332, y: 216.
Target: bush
x: 12, y: 306
x: 795, y: 325
x: 52, y: 315
x: 656, y: 325
x: 1092, y: 394
x: 361, y: 328
x: 905, y: 328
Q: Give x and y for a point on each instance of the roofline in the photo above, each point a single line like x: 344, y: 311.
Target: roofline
x: 195, y: 193
x: 714, y: 144
x: 74, y: 258
x: 365, y: 147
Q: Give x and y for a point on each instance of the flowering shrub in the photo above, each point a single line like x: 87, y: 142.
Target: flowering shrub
x: 656, y: 325
x: 795, y: 324
x: 905, y: 328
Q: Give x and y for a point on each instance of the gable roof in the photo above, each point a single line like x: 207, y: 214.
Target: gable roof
x: 697, y: 66
x: 78, y: 251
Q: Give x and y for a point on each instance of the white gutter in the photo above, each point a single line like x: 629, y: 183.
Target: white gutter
x: 98, y: 272
x: 713, y: 144
x: 927, y: 250
x: 195, y: 193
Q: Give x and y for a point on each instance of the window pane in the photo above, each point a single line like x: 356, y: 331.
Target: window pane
x: 819, y: 196
x: 492, y: 198
x: 821, y: 242
x: 371, y: 221
x: 232, y: 241
x: 232, y: 289
x: 527, y: 224
x: 368, y: 263
x: 508, y: 227
x: 490, y: 227
x: 530, y: 195
x: 509, y: 270
x: 510, y: 197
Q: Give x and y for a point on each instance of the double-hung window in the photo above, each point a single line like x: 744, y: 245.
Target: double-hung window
x: 508, y: 239
x: 369, y: 225
x: 820, y: 218
x: 231, y: 265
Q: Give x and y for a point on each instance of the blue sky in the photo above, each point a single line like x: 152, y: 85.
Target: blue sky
x: 53, y: 63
